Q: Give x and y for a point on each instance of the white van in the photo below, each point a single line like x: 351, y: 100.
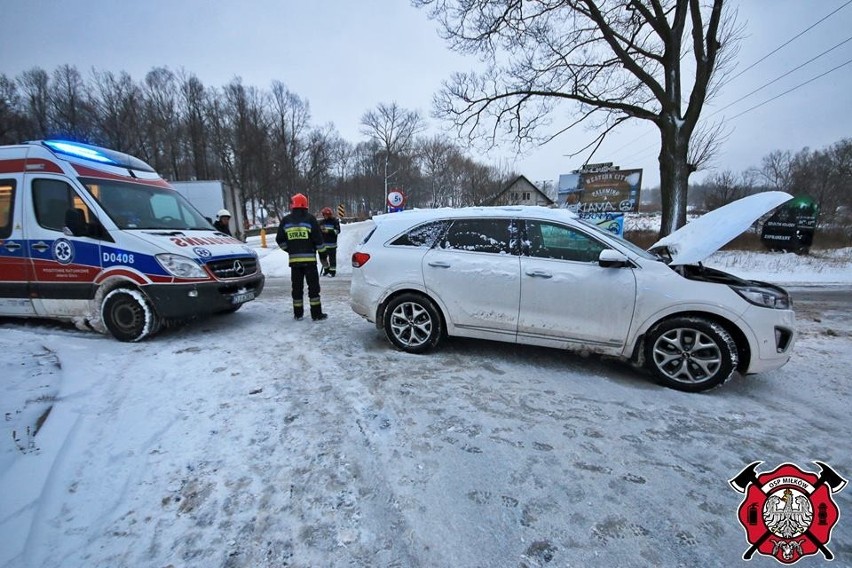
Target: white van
x: 97, y: 237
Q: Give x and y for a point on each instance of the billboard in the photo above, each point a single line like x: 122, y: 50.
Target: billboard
x: 791, y: 227
x: 601, y: 195
x: 614, y: 191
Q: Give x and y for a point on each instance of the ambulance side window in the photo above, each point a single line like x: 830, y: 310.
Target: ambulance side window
x: 52, y: 199
x: 7, y: 201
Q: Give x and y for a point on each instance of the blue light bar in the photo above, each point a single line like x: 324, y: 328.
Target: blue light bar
x: 96, y: 154
x: 82, y: 151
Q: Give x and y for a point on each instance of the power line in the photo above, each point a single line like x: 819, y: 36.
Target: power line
x: 646, y: 148
x: 791, y: 90
x: 775, y: 80
x: 789, y: 41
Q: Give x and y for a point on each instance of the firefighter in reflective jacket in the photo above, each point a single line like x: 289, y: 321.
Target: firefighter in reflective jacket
x: 330, y: 228
x: 300, y: 236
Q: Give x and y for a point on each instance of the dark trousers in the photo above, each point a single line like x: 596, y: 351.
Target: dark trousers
x: 328, y: 259
x: 299, y: 274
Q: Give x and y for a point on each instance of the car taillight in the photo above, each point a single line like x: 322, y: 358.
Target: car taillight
x: 359, y: 259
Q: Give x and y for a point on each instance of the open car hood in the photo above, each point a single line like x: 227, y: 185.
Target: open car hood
x: 700, y: 238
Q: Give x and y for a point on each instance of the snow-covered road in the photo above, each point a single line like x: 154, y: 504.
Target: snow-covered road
x: 253, y: 440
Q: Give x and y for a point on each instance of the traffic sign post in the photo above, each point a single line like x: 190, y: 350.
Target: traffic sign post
x: 396, y: 201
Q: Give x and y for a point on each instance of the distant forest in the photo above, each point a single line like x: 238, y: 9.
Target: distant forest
x: 264, y: 142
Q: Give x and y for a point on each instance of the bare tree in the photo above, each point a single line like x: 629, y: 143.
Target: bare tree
x: 248, y: 146
x: 71, y: 115
x: 609, y: 60
x: 290, y: 122
x: 394, y: 129
x: 436, y: 155
x: 723, y: 188
x: 318, y: 161
x: 825, y: 176
x: 776, y: 170
x: 841, y: 156
x: 117, y: 104
x: 13, y: 121
x: 193, y: 101
x: 162, y: 122
x: 35, y: 88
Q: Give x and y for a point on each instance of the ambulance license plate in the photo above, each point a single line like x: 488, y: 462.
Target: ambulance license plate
x: 242, y: 298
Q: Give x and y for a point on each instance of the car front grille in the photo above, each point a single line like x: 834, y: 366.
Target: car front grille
x: 233, y: 267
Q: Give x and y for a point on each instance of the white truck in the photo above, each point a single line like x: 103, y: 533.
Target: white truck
x: 211, y: 196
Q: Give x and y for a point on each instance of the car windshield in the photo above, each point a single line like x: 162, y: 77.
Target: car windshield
x: 136, y: 206
x: 622, y: 241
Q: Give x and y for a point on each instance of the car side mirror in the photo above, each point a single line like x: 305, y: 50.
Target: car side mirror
x: 610, y: 258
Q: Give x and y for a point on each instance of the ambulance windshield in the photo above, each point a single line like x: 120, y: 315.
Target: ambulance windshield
x: 135, y: 206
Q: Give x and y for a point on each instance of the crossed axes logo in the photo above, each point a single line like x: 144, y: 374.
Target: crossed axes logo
x: 788, y: 513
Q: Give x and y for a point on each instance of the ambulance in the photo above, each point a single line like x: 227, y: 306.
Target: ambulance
x: 96, y: 237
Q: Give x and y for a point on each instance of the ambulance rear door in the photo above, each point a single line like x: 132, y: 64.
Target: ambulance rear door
x: 16, y: 269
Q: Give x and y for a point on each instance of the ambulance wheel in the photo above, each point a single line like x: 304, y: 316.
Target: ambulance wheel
x: 128, y: 316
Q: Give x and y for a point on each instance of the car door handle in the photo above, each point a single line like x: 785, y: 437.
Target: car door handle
x: 540, y: 274
x: 12, y: 247
x: 40, y: 247
x: 439, y: 264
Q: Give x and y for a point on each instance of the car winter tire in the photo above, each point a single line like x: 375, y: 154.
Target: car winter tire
x: 412, y: 323
x: 128, y: 315
x: 690, y: 354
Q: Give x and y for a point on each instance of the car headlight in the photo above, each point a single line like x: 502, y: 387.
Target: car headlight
x: 764, y: 297
x: 181, y: 266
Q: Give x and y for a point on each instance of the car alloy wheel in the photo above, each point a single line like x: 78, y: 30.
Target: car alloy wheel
x: 412, y: 323
x: 691, y: 354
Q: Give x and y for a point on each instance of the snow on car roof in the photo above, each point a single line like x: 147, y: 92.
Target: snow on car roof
x: 413, y: 216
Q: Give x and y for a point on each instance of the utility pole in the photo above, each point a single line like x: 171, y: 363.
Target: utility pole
x: 385, y: 206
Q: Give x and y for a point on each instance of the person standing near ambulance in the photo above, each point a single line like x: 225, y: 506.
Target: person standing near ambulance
x: 330, y: 228
x: 223, y: 221
x: 300, y: 237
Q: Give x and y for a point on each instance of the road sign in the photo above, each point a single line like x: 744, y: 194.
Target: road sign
x: 341, y: 210
x: 396, y: 199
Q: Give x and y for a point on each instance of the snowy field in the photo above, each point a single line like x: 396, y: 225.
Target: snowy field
x: 252, y: 440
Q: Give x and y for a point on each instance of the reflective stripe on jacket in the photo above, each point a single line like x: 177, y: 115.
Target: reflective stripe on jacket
x: 300, y: 236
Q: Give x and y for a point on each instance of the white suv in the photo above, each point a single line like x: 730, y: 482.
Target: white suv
x: 540, y: 276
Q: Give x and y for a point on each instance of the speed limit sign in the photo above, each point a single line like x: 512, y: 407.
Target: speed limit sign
x: 396, y: 199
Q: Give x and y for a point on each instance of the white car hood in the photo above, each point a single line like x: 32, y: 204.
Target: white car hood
x: 700, y: 238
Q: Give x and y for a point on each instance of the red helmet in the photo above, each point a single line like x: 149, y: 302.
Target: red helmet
x: 298, y: 201
x: 326, y: 212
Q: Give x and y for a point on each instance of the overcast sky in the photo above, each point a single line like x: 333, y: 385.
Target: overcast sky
x: 347, y: 56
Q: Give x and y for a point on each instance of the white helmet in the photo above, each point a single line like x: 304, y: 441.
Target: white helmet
x: 223, y: 213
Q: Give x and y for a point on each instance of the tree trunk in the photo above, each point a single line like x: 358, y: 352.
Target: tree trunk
x: 674, y: 178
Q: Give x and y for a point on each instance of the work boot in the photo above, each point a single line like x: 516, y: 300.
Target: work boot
x: 316, y: 309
